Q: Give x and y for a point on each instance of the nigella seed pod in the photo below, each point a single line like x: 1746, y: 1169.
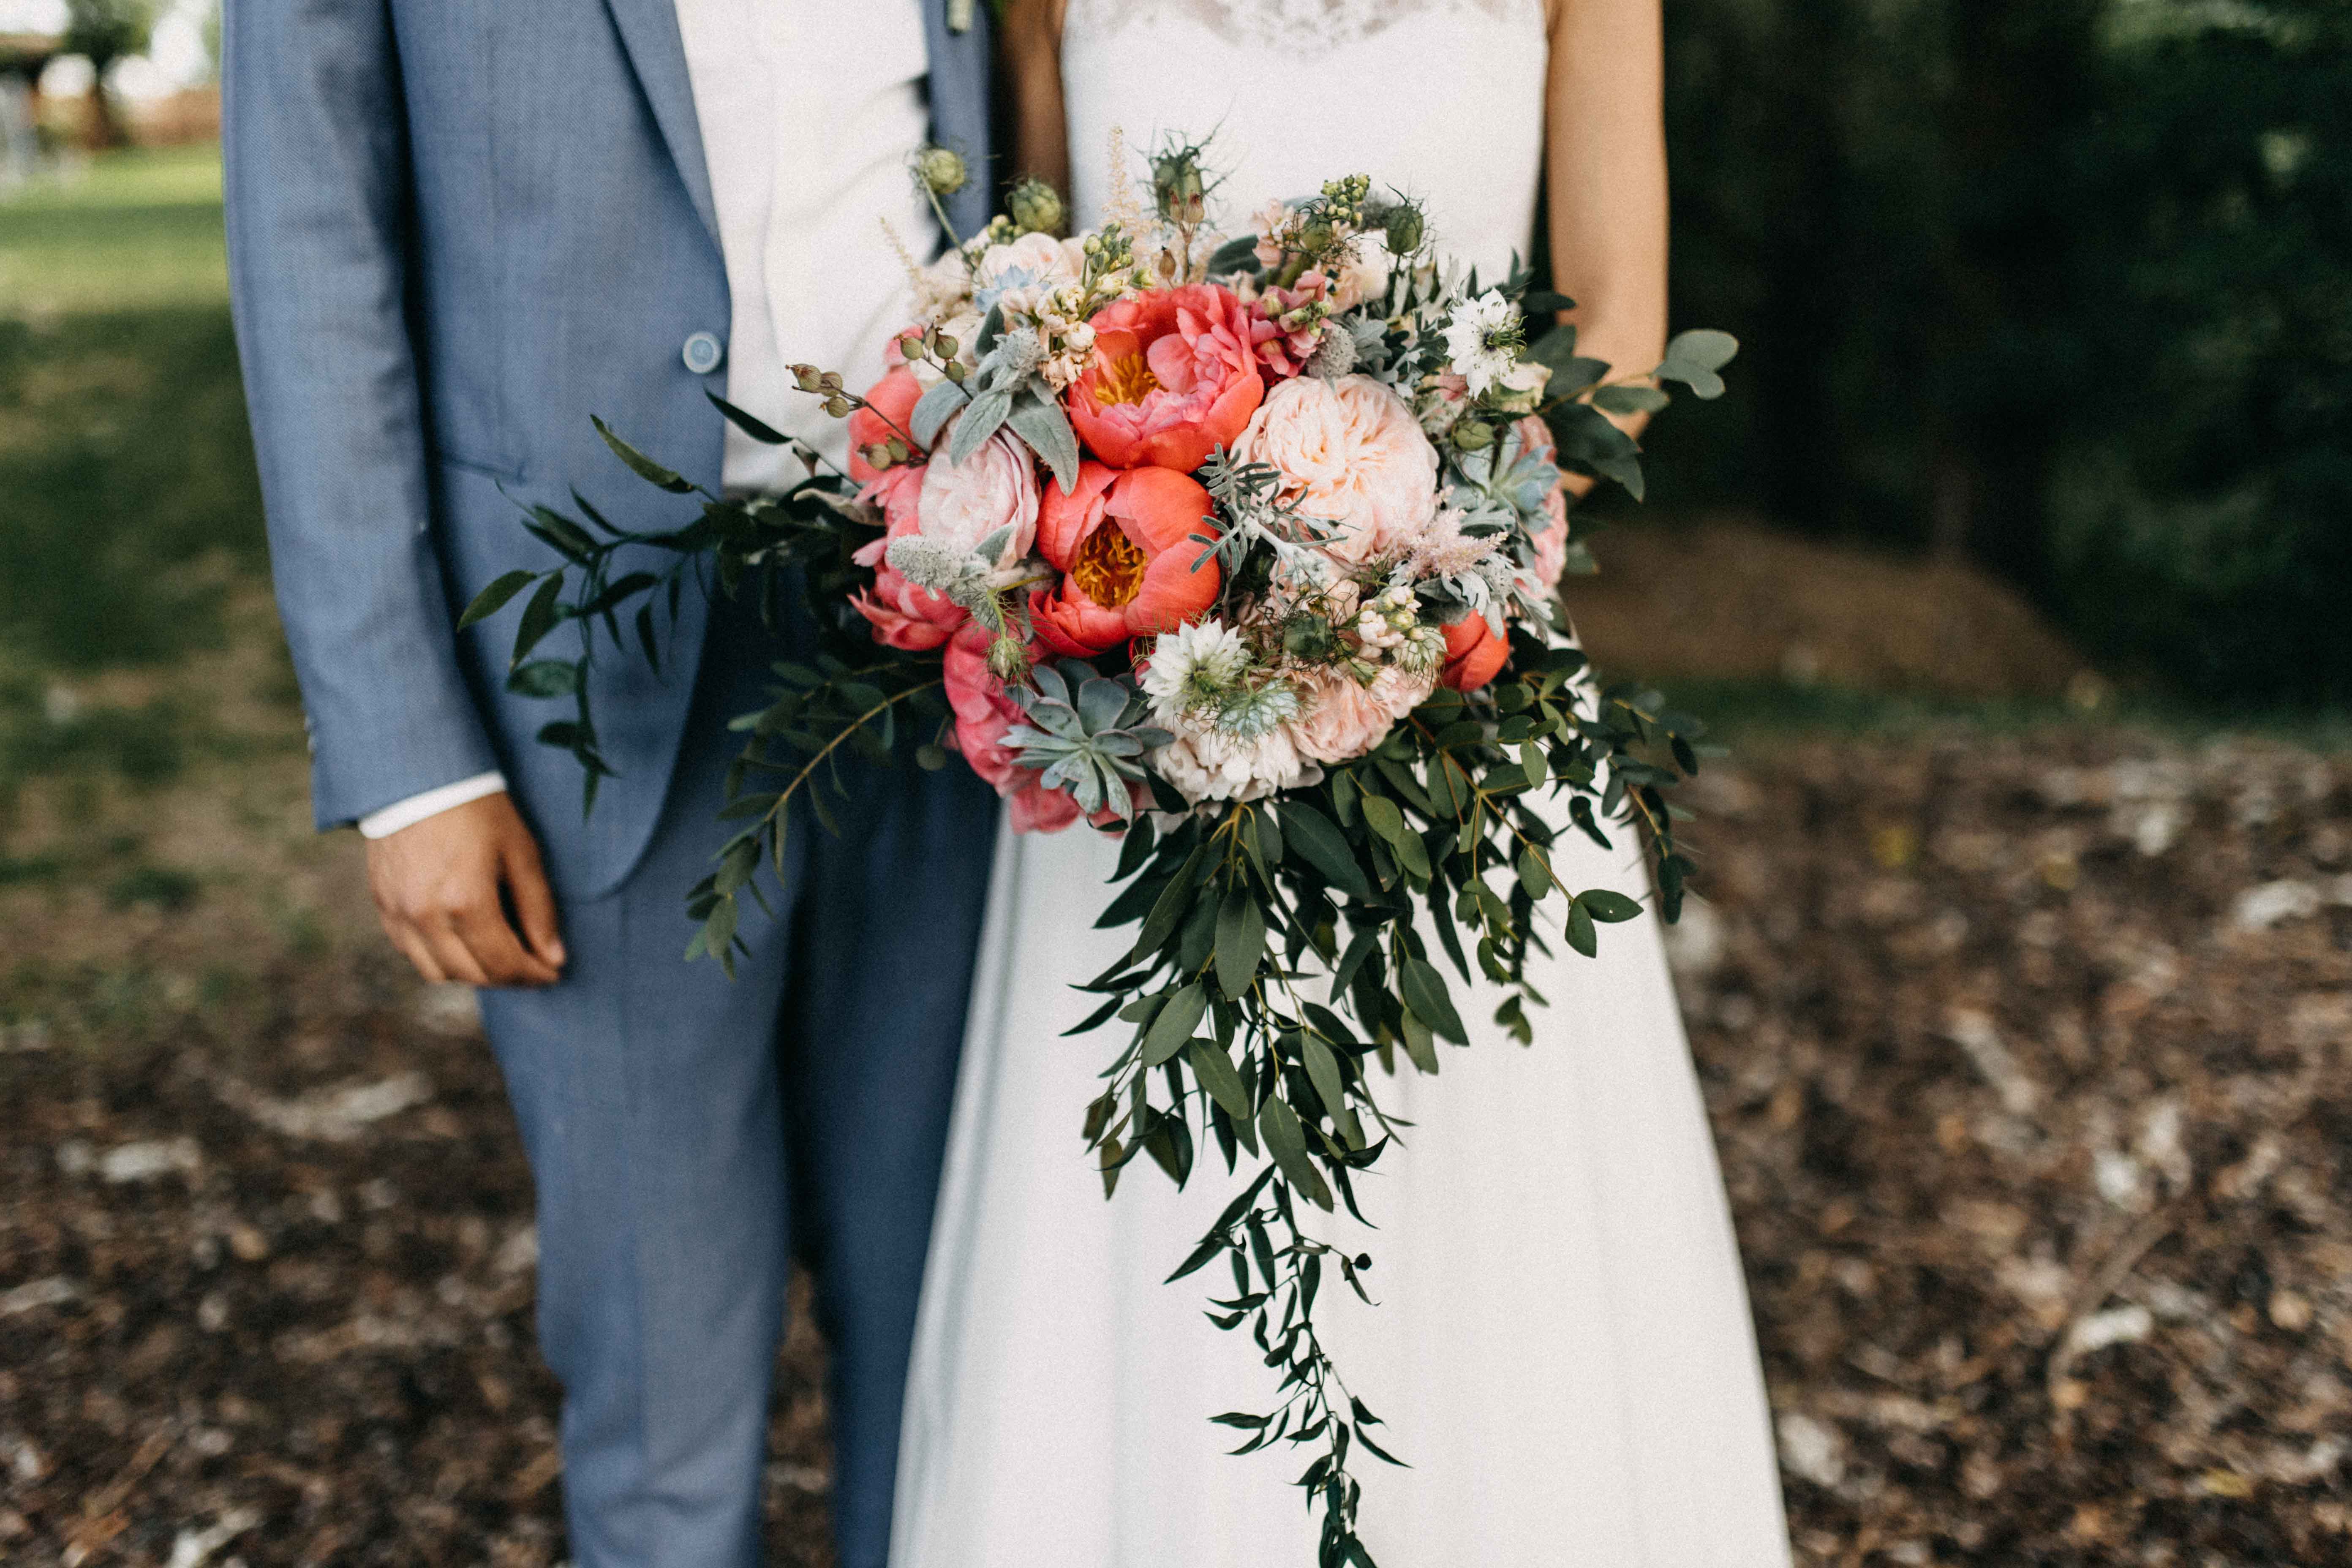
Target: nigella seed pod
x: 1406, y: 228
x: 1035, y: 208
x: 1178, y: 187
x: 1473, y: 434
x: 941, y: 170
x: 1307, y: 638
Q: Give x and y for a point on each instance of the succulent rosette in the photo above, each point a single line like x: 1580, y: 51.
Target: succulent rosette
x: 1245, y: 547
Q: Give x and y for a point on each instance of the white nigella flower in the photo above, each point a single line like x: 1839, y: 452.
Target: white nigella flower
x: 1483, y: 338
x: 1248, y: 714
x: 1194, y: 668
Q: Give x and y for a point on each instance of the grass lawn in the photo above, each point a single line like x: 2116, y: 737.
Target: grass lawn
x: 154, y: 851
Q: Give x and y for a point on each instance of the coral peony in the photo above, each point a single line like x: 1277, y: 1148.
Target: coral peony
x: 1122, y: 541
x: 1473, y: 654
x: 1173, y: 378
x: 893, y: 400
x: 1351, y: 453
x: 902, y: 615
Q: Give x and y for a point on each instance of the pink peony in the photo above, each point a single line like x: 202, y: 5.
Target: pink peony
x: 1173, y: 378
x: 963, y: 503
x: 1124, y: 540
x: 1342, y: 720
x: 1351, y: 453
x: 902, y: 615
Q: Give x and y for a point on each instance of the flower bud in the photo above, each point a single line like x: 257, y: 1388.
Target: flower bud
x: 1035, y: 208
x: 941, y: 170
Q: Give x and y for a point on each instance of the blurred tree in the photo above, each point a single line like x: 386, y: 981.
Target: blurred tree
x: 2061, y: 284
x: 105, y: 31
x: 2203, y: 493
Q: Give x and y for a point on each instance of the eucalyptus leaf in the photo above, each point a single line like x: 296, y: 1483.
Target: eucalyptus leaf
x: 1692, y: 358
x: 493, y: 599
x: 1172, y: 1030
x: 645, y: 467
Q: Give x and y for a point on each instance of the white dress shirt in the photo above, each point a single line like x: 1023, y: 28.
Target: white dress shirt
x: 809, y: 110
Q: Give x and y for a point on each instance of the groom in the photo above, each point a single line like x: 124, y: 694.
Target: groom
x: 457, y: 232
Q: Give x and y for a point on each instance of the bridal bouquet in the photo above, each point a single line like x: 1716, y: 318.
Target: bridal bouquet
x: 1245, y: 548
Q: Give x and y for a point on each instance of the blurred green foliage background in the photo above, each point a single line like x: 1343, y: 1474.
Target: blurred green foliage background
x: 2061, y: 286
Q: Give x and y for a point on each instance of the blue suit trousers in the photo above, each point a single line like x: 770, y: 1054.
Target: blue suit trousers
x: 689, y: 1135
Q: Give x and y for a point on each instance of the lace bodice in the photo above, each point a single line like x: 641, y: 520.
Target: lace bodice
x: 1293, y: 27
x: 1442, y: 99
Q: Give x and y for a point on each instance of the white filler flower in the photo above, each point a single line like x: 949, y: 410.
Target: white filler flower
x: 1483, y: 338
x: 1194, y: 668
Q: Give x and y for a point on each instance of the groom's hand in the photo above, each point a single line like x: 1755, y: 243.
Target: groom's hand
x: 463, y: 894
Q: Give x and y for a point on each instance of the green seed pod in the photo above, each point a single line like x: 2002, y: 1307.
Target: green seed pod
x: 1035, y: 208
x: 1177, y: 186
x: 1307, y: 638
x: 947, y: 346
x: 1405, y: 229
x: 1473, y: 434
x: 838, y: 405
x: 941, y: 170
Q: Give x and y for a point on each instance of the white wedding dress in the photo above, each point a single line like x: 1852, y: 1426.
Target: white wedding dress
x: 1562, y: 1350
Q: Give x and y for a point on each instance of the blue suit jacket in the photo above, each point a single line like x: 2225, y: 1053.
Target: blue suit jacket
x: 458, y: 229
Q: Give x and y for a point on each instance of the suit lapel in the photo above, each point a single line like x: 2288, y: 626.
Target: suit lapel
x: 648, y: 31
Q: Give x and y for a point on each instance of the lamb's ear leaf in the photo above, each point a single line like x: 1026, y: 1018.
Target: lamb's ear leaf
x: 934, y: 409
x: 979, y: 423
x: 1047, y: 430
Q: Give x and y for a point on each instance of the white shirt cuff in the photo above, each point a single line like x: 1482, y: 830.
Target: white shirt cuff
x: 431, y: 803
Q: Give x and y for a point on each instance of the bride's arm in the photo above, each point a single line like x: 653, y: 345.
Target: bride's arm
x: 1031, y: 38
x: 1605, y: 153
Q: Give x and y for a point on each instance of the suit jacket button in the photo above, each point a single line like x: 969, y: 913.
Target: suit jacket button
x: 703, y: 353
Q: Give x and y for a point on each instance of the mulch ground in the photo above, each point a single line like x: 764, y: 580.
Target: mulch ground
x: 2031, y: 1064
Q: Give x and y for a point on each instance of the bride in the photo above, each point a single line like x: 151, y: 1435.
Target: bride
x: 1561, y: 1348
